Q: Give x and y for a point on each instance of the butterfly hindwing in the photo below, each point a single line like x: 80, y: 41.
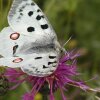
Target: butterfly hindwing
x: 38, y: 64
x: 41, y: 64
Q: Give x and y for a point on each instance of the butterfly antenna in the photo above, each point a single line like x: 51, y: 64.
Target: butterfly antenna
x: 64, y: 50
x: 67, y: 41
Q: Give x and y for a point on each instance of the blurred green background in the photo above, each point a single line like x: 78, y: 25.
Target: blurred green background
x: 79, y: 19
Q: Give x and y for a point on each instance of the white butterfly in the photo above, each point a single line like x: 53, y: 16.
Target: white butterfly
x: 30, y: 43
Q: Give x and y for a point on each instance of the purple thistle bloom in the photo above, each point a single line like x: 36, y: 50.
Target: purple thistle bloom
x: 59, y: 79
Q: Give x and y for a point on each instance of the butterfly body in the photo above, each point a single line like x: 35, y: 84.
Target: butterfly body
x: 30, y: 42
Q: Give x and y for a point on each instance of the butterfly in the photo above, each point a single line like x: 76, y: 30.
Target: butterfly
x: 30, y: 42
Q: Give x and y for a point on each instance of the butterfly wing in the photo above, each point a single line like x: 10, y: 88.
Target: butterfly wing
x: 19, y: 51
x: 6, y: 43
x: 38, y: 65
x: 42, y: 64
x: 13, y: 43
x: 30, y: 43
x: 27, y: 18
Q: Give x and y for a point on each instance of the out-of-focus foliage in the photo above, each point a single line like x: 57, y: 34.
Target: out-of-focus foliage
x: 79, y: 19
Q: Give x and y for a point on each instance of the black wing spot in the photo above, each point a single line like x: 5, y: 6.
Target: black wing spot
x: 42, y: 16
x: 52, y: 57
x: 20, y: 10
x: 30, y: 13
x: 30, y: 29
x: 49, y: 63
x: 44, y: 66
x: 37, y: 71
x: 45, y: 26
x: 15, y: 48
x: 39, y: 17
x: 38, y: 58
x: 32, y: 4
x: 21, y: 14
x: 38, y: 10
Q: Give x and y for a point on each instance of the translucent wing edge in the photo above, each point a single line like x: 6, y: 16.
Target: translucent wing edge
x: 14, y: 7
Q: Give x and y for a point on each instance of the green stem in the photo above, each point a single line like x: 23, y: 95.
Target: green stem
x: 1, y: 8
x: 6, y: 13
x: 45, y: 97
x: 26, y: 87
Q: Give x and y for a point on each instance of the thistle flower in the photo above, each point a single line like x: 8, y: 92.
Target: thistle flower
x: 64, y: 75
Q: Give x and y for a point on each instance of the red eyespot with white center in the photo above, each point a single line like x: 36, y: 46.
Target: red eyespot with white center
x: 18, y: 60
x: 14, y: 36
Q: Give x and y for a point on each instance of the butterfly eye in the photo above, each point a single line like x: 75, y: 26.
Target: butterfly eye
x: 14, y: 36
x: 18, y: 60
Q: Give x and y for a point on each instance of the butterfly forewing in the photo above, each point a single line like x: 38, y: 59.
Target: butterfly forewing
x: 26, y: 13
